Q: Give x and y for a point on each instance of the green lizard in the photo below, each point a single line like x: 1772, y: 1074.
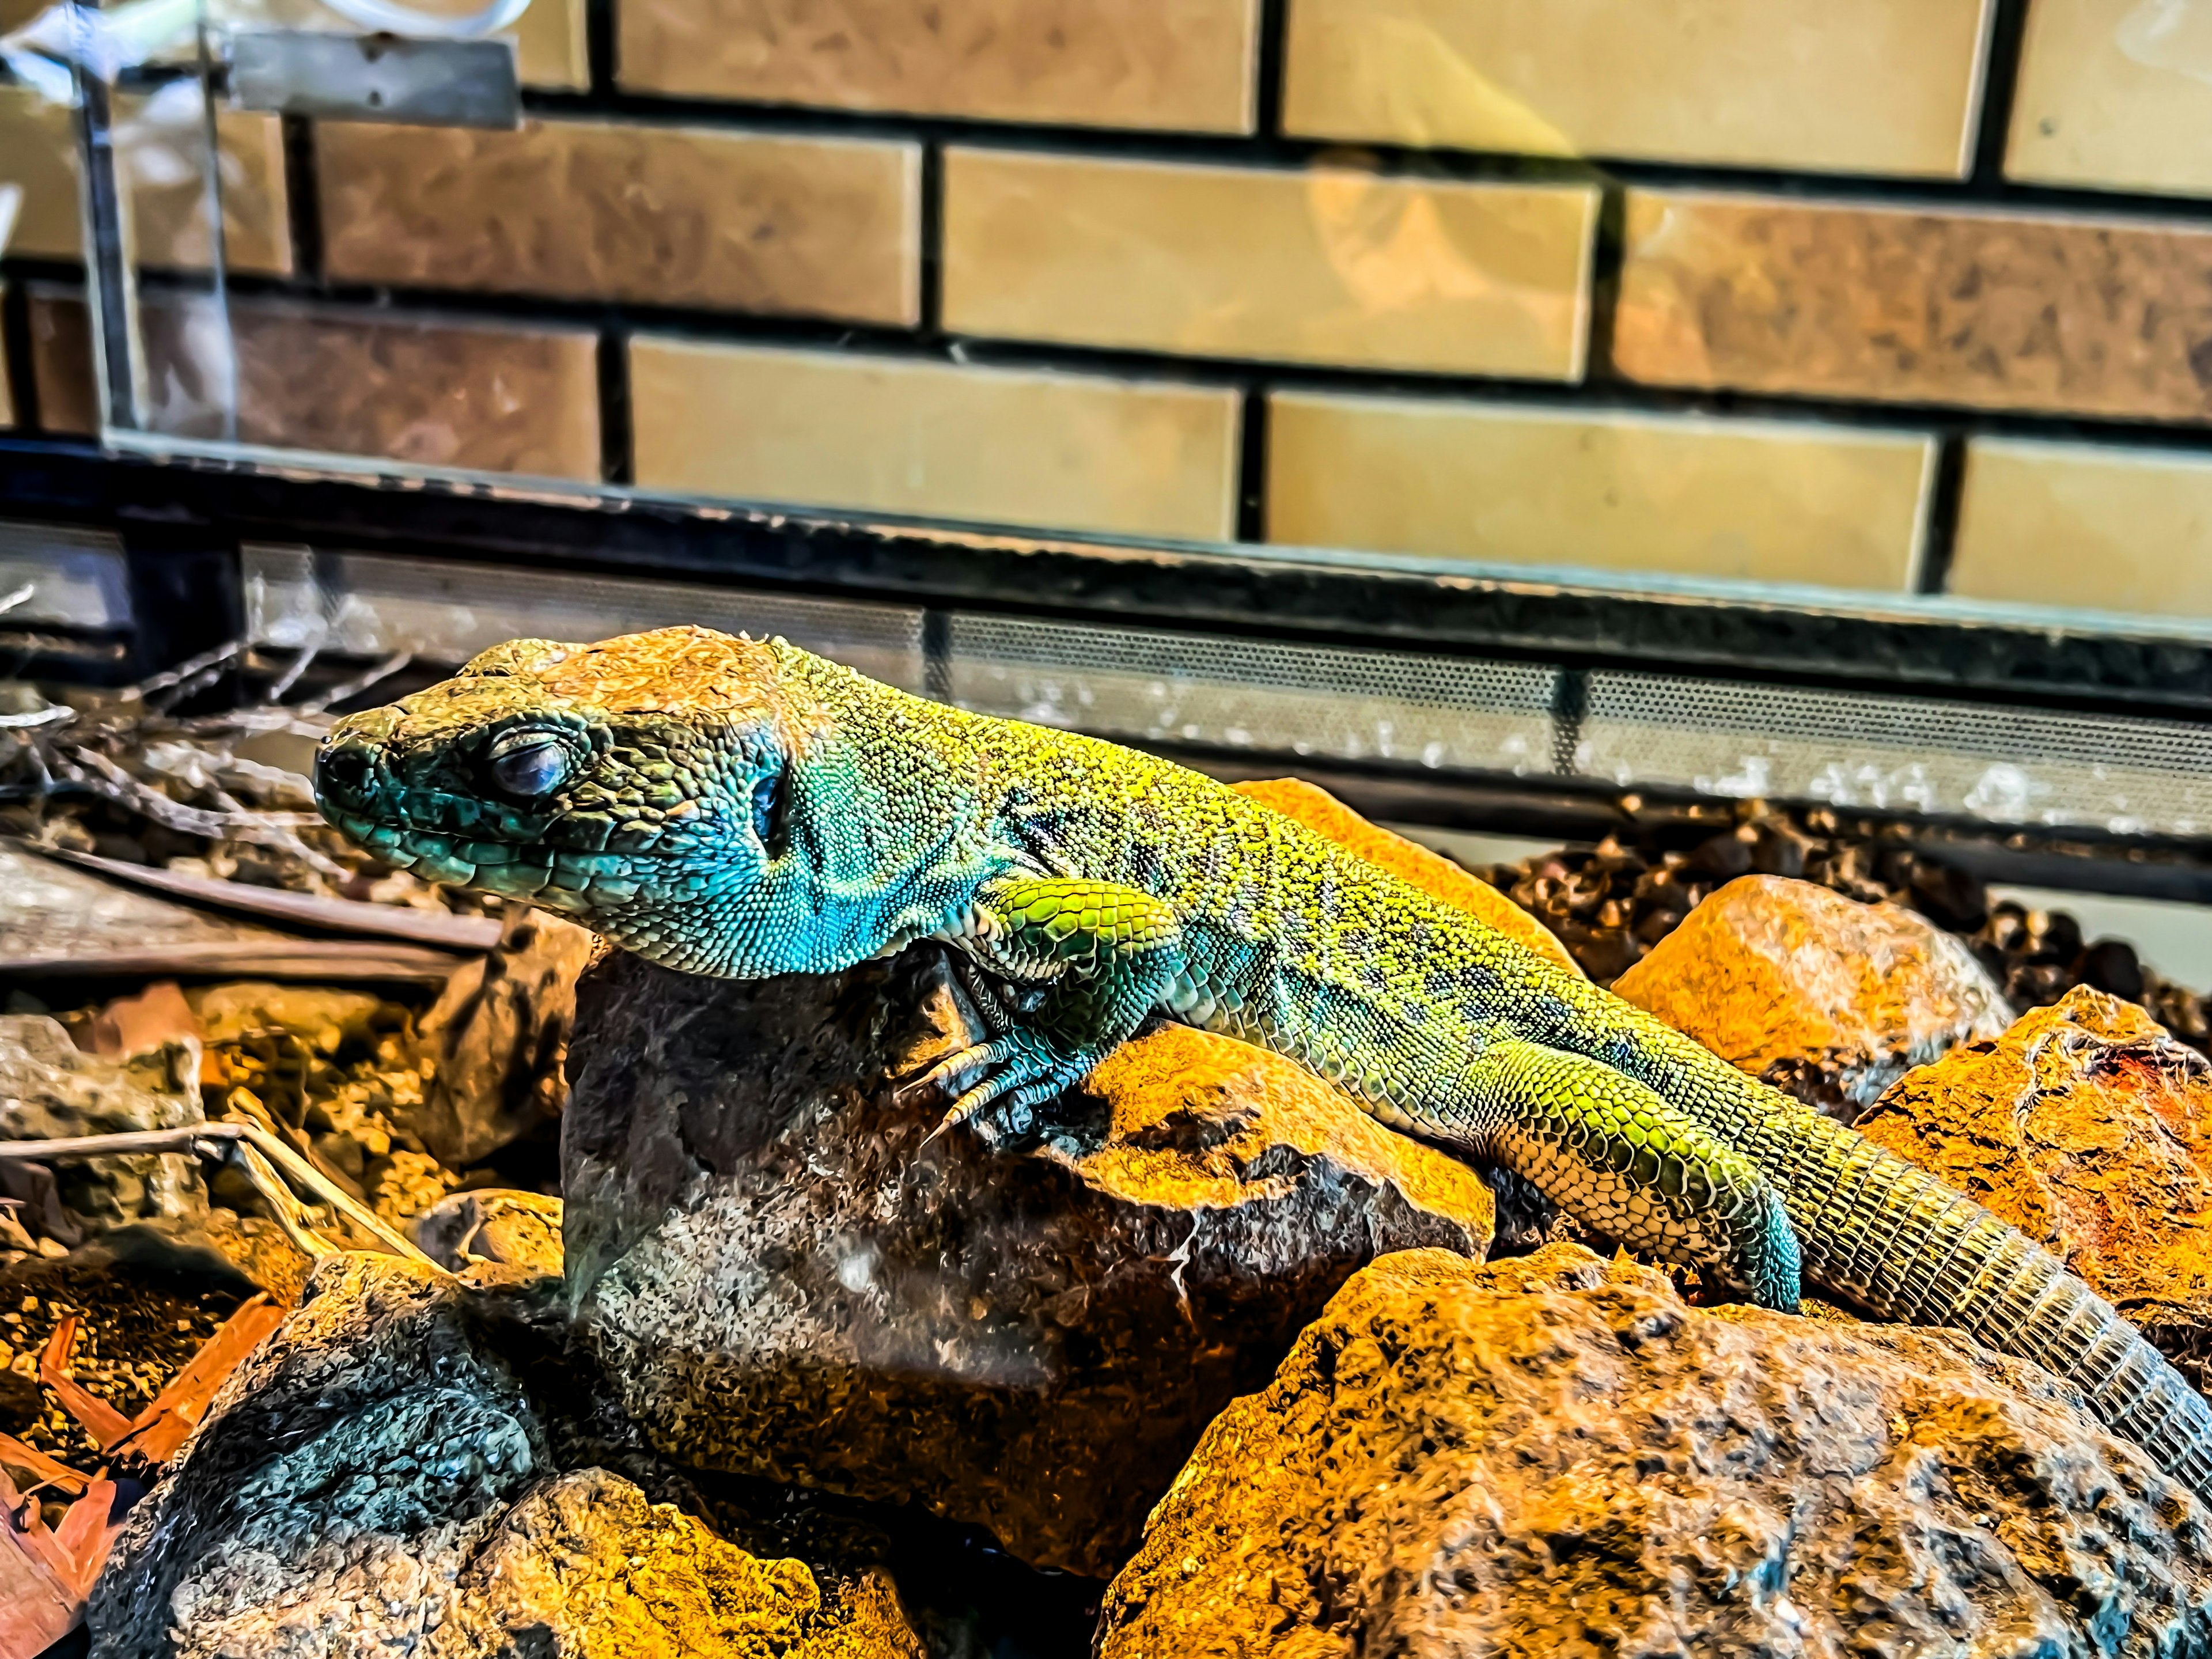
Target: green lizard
x: 743, y: 809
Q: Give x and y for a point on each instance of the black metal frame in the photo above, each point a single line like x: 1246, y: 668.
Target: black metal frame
x: 182, y: 524
x: 201, y: 510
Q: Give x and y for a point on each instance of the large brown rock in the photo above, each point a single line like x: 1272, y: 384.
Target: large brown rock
x: 495, y: 1038
x: 2089, y: 1129
x: 377, y: 1479
x: 1828, y: 999
x: 1554, y: 1456
x: 1432, y: 872
x: 784, y: 1281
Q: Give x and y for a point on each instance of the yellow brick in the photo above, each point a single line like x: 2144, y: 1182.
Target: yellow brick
x: 1871, y: 86
x: 1327, y: 265
x: 550, y: 48
x: 164, y: 174
x: 2086, y: 526
x: 1755, y: 499
x: 35, y: 153
x: 60, y: 362
x: 664, y: 215
x: 1186, y: 64
x: 1917, y: 303
x: 891, y: 435
x: 2115, y: 95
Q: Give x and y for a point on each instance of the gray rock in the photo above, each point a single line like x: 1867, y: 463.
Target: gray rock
x: 494, y: 1224
x: 49, y: 1089
x: 1554, y: 1456
x: 375, y: 1480
x: 782, y: 1281
x: 345, y: 1474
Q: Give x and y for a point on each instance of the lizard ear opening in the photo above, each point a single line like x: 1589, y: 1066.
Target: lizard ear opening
x: 771, y: 811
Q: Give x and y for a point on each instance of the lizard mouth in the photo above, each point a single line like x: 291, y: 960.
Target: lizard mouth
x: 580, y: 884
x: 491, y: 846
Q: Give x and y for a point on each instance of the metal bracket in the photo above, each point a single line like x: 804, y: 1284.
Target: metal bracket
x: 386, y: 78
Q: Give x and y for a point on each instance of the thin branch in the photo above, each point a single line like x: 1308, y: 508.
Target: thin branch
x: 52, y: 714
x: 290, y: 1213
x: 290, y: 677
x: 190, y: 1138
x: 183, y: 672
x: 353, y: 688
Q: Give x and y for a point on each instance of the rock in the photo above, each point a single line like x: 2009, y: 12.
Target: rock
x: 344, y: 1475
x: 49, y: 1089
x: 1432, y: 872
x: 1554, y: 1456
x: 2089, y: 1128
x: 497, y: 1036
x: 782, y: 1281
x: 1828, y: 999
x: 585, y: 1566
x: 137, y: 1025
x: 57, y: 920
x: 376, y: 1479
x: 321, y: 1016
x: 511, y: 1229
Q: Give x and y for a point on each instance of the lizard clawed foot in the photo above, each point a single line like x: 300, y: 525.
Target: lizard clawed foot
x: 1018, y: 1074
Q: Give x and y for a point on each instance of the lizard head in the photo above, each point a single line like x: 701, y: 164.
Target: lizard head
x: 664, y: 789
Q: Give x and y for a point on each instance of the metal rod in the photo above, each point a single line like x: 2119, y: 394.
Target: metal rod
x: 218, y: 242
x: 111, y: 290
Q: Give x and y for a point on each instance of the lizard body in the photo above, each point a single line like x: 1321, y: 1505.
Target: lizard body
x: 745, y: 809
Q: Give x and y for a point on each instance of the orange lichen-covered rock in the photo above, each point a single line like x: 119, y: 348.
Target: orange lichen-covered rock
x: 1819, y: 994
x: 1433, y: 874
x: 786, y: 1278
x: 1552, y: 1456
x: 2090, y: 1129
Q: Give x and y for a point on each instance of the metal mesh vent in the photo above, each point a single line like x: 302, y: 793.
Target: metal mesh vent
x: 1428, y: 713
x: 1264, y: 695
x: 370, y: 604
x: 2008, y: 765
x: 77, y: 578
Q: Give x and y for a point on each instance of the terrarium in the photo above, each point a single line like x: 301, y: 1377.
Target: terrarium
x: 1122, y: 827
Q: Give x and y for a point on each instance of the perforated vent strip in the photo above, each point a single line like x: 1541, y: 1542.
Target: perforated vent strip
x: 1429, y: 713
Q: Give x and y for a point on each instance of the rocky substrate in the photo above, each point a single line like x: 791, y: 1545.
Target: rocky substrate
x: 1553, y: 1456
x: 380, y: 1479
x: 816, y: 1383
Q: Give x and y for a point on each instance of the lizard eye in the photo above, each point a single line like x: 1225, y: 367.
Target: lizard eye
x: 528, y: 763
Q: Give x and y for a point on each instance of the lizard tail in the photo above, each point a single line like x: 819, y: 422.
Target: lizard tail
x: 1898, y: 1241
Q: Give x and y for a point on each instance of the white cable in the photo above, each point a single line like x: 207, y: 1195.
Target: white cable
x: 383, y: 17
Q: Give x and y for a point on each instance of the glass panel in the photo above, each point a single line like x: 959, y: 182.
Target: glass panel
x: 1567, y: 292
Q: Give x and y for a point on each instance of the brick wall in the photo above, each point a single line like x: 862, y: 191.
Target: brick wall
x: 1888, y: 294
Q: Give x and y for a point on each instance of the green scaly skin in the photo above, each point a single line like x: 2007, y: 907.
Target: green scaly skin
x: 745, y: 809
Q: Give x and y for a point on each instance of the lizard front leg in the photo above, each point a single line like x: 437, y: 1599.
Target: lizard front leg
x: 1107, y: 956
x: 1622, y: 1159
